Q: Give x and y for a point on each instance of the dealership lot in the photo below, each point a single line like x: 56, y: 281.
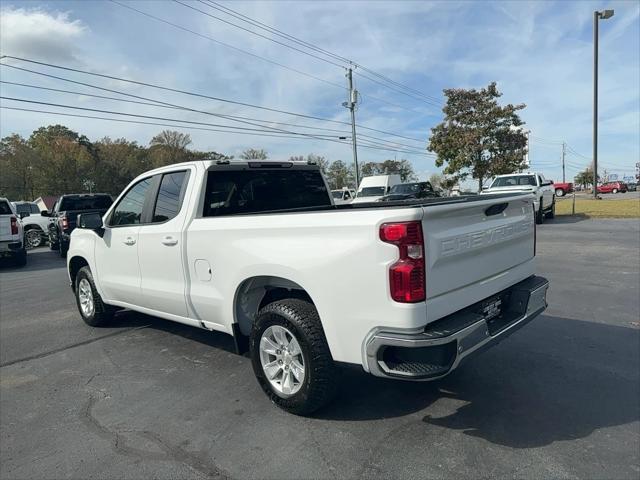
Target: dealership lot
x: 149, y: 398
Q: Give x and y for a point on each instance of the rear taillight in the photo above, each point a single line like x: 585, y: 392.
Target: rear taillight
x: 65, y: 222
x: 407, y: 275
x: 14, y: 226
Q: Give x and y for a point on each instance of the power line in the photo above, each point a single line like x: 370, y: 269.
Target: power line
x: 309, y: 45
x: 111, y: 112
x: 172, y: 125
x: 273, y: 62
x: 157, y: 103
x: 194, y: 94
x: 421, y: 96
x: 259, y: 34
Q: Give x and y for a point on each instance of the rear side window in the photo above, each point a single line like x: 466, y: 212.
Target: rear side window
x: 96, y: 202
x: 5, y: 209
x: 170, y: 196
x: 254, y: 191
x: 130, y: 207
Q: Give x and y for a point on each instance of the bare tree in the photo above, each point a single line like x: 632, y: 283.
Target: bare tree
x: 172, y: 139
x: 254, y: 154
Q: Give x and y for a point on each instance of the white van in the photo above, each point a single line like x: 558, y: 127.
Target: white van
x: 372, y: 188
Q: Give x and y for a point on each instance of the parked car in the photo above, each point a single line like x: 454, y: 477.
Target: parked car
x: 258, y: 250
x: 632, y: 187
x: 409, y: 191
x: 372, y: 188
x: 64, y: 215
x: 341, y: 196
x: 11, y: 234
x: 562, y: 188
x: 613, y: 187
x: 36, y: 226
x: 535, y: 183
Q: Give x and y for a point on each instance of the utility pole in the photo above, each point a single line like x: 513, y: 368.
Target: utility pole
x: 351, y: 105
x: 563, y: 154
x: 596, y: 17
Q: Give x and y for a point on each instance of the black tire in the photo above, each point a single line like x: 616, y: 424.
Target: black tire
x: 53, y: 245
x: 321, y: 375
x: 102, y: 313
x: 559, y: 192
x: 552, y: 211
x: 540, y: 214
x: 614, y: 191
x: 21, y: 258
x: 33, y: 238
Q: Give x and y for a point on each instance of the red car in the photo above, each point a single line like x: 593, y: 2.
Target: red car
x: 562, y: 188
x: 612, y: 187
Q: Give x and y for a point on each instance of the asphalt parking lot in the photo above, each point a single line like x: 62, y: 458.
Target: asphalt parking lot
x: 148, y: 398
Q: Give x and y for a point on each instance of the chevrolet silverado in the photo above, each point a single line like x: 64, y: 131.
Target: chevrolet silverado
x: 258, y: 250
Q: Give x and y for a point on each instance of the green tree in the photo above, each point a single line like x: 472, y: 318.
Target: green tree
x: 118, y: 162
x: 478, y: 137
x: 585, y: 178
x: 20, y: 169
x: 390, y: 167
x: 65, y: 159
x: 340, y: 175
x: 254, y: 154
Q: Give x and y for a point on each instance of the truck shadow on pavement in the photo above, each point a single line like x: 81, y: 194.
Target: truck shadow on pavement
x: 557, y: 379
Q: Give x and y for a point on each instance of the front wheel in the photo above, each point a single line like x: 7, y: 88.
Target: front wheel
x: 552, y: 212
x: 540, y: 214
x: 92, y: 310
x: 559, y: 192
x: 291, y: 357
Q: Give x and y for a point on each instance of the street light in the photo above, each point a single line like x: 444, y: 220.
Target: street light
x: 603, y: 15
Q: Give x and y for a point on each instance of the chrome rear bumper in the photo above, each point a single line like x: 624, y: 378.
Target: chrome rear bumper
x: 442, y: 345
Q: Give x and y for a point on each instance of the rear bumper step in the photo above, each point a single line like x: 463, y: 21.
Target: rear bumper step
x: 439, y: 349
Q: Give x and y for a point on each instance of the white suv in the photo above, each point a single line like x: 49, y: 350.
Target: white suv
x: 11, y: 234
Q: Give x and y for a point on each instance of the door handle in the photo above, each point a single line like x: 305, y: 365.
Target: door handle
x: 169, y: 240
x: 129, y: 241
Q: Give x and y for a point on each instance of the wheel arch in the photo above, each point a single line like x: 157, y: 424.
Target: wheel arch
x: 255, y: 292
x: 75, y: 264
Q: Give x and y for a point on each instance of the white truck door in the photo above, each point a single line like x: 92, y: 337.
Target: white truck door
x: 116, y: 253
x: 161, y: 247
x: 546, y: 190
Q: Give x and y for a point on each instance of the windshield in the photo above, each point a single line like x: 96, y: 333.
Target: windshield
x: 514, y: 181
x: 26, y: 208
x: 97, y: 202
x: 405, y: 188
x: 371, y: 192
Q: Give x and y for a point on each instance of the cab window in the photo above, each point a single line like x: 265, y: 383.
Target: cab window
x: 170, y: 196
x: 129, y: 209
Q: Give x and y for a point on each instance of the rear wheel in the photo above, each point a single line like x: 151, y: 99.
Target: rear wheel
x: 615, y: 190
x: 33, y: 238
x: 92, y: 310
x: 291, y: 357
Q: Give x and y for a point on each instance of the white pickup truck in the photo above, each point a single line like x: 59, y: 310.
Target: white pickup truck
x: 544, y: 197
x: 259, y: 251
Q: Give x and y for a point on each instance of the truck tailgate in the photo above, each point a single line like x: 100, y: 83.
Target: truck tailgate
x: 5, y: 228
x: 471, y: 241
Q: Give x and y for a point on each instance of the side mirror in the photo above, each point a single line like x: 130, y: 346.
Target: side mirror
x: 24, y: 214
x: 90, y: 221
x: 45, y: 213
